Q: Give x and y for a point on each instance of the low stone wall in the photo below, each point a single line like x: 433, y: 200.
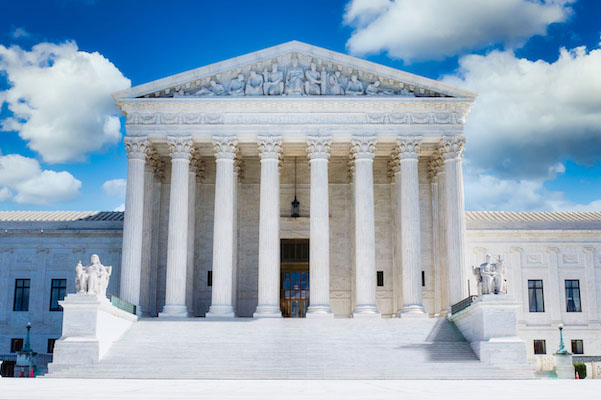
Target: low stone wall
x: 490, y: 326
x: 90, y: 326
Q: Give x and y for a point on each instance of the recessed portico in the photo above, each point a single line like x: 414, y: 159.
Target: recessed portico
x: 367, y: 163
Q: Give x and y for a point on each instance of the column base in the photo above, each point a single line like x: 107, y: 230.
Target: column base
x: 174, y: 311
x: 319, y: 311
x: 366, y: 311
x: 267, y: 312
x: 412, y: 311
x: 220, y: 311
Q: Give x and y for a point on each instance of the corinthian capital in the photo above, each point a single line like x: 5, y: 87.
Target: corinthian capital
x: 270, y: 147
x: 180, y: 147
x: 225, y: 147
x: 451, y: 147
x: 435, y: 167
x: 363, y: 147
x: 318, y: 147
x: 136, y: 146
x: 407, y: 147
x: 197, y: 167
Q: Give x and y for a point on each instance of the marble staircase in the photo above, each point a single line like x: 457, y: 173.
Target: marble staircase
x: 242, y: 348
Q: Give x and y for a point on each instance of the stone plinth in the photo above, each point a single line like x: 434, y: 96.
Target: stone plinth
x: 90, y: 326
x: 490, y: 326
x: 564, y: 368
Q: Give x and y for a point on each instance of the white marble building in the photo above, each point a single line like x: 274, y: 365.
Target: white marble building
x: 217, y: 155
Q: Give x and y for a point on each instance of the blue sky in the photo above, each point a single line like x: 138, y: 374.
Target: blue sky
x: 534, y: 136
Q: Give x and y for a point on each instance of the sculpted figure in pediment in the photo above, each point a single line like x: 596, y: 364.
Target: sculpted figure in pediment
x: 313, y: 83
x: 354, y: 87
x: 374, y: 89
x: 335, y: 88
x: 237, y: 86
x: 274, y: 81
x: 214, y: 89
x: 294, y: 79
x: 254, y: 86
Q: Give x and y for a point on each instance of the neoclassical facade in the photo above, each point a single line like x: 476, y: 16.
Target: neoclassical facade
x: 373, y: 153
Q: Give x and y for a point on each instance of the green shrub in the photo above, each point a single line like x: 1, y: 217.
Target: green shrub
x: 581, y: 370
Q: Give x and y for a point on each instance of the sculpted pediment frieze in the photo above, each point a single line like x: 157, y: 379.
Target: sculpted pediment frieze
x: 294, y: 69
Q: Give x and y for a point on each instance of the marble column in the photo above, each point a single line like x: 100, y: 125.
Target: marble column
x: 223, y: 232
x: 196, y: 170
x: 408, y: 203
x: 451, y: 149
x: 131, y: 258
x: 319, y: 225
x: 145, y: 275
x: 270, y: 150
x: 238, y: 174
x: 433, y: 178
x: 177, y: 241
x: 442, y: 238
x: 362, y: 153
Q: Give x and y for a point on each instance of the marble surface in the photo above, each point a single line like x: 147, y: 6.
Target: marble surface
x: 51, y: 389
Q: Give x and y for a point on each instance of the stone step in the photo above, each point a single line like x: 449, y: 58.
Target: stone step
x: 293, y: 349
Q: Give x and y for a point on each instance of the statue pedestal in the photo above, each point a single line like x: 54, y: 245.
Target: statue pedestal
x: 490, y: 326
x: 564, y: 368
x: 90, y: 326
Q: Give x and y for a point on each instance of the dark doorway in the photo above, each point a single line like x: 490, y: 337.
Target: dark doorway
x: 294, y: 277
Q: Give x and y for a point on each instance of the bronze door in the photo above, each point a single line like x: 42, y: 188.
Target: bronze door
x: 294, y: 298
x: 294, y: 278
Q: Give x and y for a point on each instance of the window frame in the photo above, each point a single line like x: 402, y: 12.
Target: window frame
x: 380, y: 278
x: 13, y: 341
x: 49, y: 348
x: 542, y: 295
x: 58, y: 297
x: 577, y: 306
x: 577, y: 342
x: 543, y: 342
x: 24, y: 306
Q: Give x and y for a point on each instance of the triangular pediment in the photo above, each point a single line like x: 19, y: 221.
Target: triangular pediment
x: 294, y: 69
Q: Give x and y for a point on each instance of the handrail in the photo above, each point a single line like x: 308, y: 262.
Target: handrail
x: 122, y: 304
x: 463, y: 304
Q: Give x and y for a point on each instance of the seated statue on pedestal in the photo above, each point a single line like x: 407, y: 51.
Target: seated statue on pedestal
x: 92, y: 279
x: 294, y: 79
x: 254, y: 85
x: 491, y: 277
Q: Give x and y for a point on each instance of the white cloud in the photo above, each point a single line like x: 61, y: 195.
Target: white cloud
x: 5, y: 194
x: 115, y: 188
x: 19, y: 33
x: 120, y: 207
x: 61, y: 100
x: 485, y: 192
x: 434, y: 29
x: 532, y: 115
x: 32, y: 185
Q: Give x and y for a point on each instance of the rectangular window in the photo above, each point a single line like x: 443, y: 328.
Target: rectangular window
x: 540, y: 347
x: 573, y: 295
x: 577, y: 347
x: 21, y: 302
x: 16, y: 345
x: 57, y: 293
x: 423, y: 278
x: 380, y: 278
x: 535, y: 295
x: 51, y: 343
x: 209, y: 278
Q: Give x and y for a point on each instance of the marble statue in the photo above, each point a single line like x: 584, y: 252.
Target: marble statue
x: 354, y: 87
x: 491, y: 276
x: 254, y: 86
x: 313, y: 82
x: 294, y: 79
x: 237, y: 86
x: 93, y: 279
x: 335, y: 88
x: 374, y: 89
x: 274, y: 81
x: 214, y: 89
